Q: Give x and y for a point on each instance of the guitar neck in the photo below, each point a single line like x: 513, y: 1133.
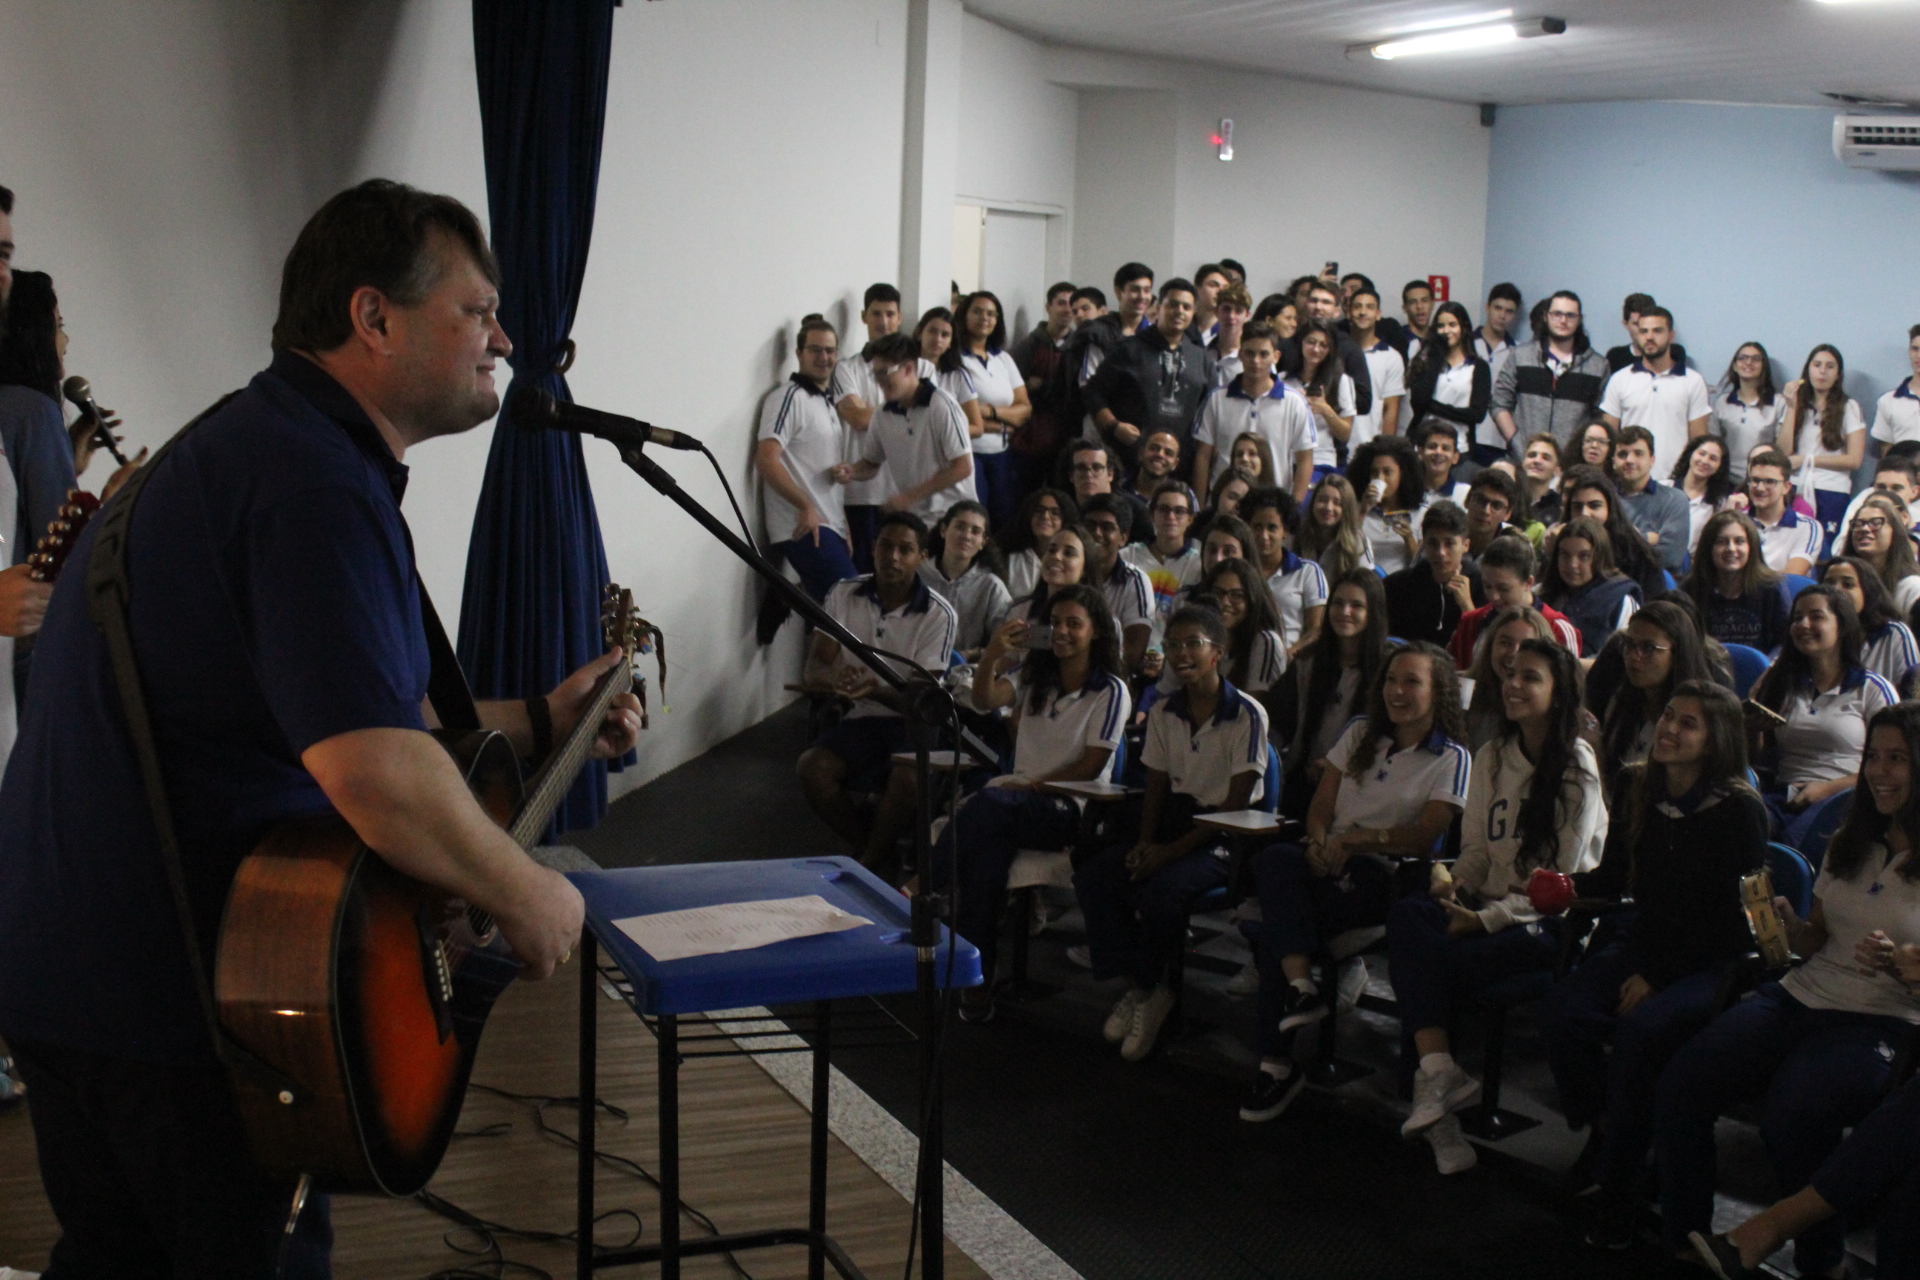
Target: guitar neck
x: 550, y: 786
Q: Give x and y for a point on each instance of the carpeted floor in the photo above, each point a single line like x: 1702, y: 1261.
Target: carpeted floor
x: 1144, y: 1170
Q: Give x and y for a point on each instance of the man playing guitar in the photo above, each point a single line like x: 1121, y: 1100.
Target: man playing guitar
x: 277, y: 622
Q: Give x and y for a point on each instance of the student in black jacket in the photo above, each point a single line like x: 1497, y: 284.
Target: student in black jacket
x: 1427, y: 599
x: 1154, y: 380
x: 1448, y: 378
x: 1686, y: 827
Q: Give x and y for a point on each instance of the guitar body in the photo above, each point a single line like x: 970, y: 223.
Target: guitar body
x: 357, y: 983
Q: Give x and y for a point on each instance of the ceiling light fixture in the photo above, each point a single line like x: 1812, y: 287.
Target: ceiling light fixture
x: 1463, y: 38
x: 1441, y: 24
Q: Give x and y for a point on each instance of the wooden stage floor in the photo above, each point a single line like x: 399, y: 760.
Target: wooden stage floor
x: 743, y: 1161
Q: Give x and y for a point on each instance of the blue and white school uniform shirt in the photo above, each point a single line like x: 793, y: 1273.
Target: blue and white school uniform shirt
x: 1297, y: 585
x: 1827, y: 479
x: 1745, y: 427
x: 1796, y: 537
x: 915, y: 440
x: 1896, y: 417
x: 993, y: 380
x: 1890, y: 652
x: 1280, y: 417
x: 923, y: 629
x: 1400, y: 783
x: 1825, y: 733
x: 1048, y: 740
x: 1203, y: 760
x: 1664, y: 403
x: 802, y: 417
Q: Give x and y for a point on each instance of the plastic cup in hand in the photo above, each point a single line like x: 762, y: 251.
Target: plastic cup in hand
x: 1550, y: 892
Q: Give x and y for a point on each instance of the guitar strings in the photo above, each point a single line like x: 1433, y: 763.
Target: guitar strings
x: 487, y: 1235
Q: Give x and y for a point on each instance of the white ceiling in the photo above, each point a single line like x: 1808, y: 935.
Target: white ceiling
x: 1764, y: 51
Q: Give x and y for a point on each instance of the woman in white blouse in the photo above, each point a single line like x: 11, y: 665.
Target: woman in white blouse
x: 1004, y: 404
x: 1704, y: 474
x: 1747, y: 409
x: 1828, y: 433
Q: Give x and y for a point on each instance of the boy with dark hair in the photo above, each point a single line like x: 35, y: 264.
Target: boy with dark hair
x: 1427, y: 599
x: 857, y: 397
x: 1231, y: 308
x: 1089, y: 468
x: 1553, y: 383
x: 1042, y: 359
x: 1298, y: 585
x: 891, y: 608
x: 1507, y: 569
x: 1657, y: 510
x: 1208, y: 281
x: 1438, y: 440
x: 1491, y: 497
x: 1789, y: 541
x: 1129, y: 594
x: 1386, y: 367
x: 1154, y: 380
x: 1235, y: 272
x: 1658, y: 391
x: 801, y: 444
x: 919, y: 435
x: 1635, y: 306
x: 1206, y: 750
x: 1897, y: 473
x: 1416, y: 303
x: 1494, y: 342
x: 1256, y: 401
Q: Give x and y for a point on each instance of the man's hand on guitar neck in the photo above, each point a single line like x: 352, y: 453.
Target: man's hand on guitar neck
x: 566, y: 704
x: 23, y: 602
x: 402, y: 794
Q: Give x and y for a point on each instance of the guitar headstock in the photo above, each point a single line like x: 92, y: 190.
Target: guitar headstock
x: 619, y: 620
x: 51, y: 552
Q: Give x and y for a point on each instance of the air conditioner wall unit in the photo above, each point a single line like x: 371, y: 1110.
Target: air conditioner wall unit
x: 1877, y: 142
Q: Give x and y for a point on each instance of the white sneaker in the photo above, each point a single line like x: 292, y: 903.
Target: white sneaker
x: 1120, y: 1021
x: 1438, y: 1095
x: 1081, y: 955
x: 1148, y: 1016
x: 1352, y: 983
x: 1246, y: 982
x: 9, y: 1273
x: 1452, y: 1153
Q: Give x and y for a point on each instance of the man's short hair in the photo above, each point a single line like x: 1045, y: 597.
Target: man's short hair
x: 1175, y: 486
x: 880, y: 293
x: 1208, y: 620
x: 1111, y: 504
x: 1179, y: 284
x: 1132, y: 271
x: 1271, y: 496
x: 1411, y: 285
x: 379, y: 235
x: 1365, y: 291
x: 813, y: 323
x: 1262, y: 331
x: 1444, y: 517
x: 1206, y: 269
x: 1511, y: 553
x: 921, y: 535
x: 1090, y: 294
x: 1432, y: 425
x: 1234, y: 295
x: 1366, y: 282
x: 1772, y: 458
x: 1635, y: 434
x: 1504, y: 292
x: 1906, y: 466
x: 1059, y: 287
x: 895, y: 348
x: 1328, y: 287
x: 1658, y: 313
x: 6, y: 201
x: 1499, y: 481
x: 1229, y: 264
x: 1637, y: 304
x: 1912, y: 333
x: 1906, y: 448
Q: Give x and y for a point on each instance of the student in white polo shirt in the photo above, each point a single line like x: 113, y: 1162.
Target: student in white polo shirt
x: 1206, y: 749
x: 1004, y: 405
x: 1826, y: 431
x: 802, y: 441
x: 1658, y: 392
x: 1298, y: 585
x: 965, y: 568
x: 1258, y: 403
x: 1129, y: 594
x: 1896, y: 418
x: 1789, y: 541
x: 1070, y: 707
x: 1393, y: 784
x: 1438, y: 440
x: 1385, y: 366
x: 919, y: 434
x: 892, y: 609
x: 1747, y: 407
x: 1826, y: 694
x: 1232, y: 307
x: 1896, y: 472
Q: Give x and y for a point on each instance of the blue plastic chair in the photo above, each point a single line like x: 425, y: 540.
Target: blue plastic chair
x: 1792, y: 877
x: 1667, y: 578
x: 1795, y: 583
x: 1749, y: 664
x: 1382, y: 572
x: 1812, y: 831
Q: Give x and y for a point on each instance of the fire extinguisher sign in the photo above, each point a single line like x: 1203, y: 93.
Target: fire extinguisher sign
x: 1439, y: 286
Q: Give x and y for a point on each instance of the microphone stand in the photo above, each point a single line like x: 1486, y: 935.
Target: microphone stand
x: 928, y: 706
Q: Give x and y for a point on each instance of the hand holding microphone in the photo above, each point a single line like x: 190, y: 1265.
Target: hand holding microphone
x: 80, y: 393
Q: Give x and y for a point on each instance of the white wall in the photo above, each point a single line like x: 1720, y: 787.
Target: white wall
x: 1125, y: 202
x: 1017, y: 127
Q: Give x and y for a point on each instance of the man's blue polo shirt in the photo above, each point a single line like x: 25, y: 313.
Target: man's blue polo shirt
x: 274, y: 605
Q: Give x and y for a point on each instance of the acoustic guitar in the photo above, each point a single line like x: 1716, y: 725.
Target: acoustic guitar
x: 50, y: 553
x: 367, y: 989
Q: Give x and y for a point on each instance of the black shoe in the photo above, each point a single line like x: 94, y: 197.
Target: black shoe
x: 1721, y: 1256
x: 1612, y: 1226
x: 1298, y: 1008
x: 1271, y: 1094
x: 976, y: 1005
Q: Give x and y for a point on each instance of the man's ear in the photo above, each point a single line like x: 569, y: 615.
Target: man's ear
x: 369, y: 310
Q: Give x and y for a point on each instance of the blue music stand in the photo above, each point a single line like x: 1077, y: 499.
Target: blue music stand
x: 872, y: 960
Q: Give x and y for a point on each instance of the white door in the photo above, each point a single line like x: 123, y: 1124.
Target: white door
x: 969, y: 226
x: 1013, y: 265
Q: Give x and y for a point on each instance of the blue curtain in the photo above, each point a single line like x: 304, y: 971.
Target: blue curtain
x: 535, y: 562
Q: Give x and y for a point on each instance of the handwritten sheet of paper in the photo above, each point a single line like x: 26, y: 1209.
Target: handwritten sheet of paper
x: 735, y: 926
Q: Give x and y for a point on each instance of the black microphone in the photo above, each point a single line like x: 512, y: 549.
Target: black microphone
x: 80, y: 392
x: 535, y: 410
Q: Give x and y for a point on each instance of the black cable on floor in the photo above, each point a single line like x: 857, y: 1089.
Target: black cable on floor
x: 488, y: 1234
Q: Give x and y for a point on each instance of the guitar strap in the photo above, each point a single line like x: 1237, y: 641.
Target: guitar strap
x: 109, y: 593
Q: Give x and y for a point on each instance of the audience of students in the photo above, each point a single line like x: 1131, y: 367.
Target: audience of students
x: 1741, y: 600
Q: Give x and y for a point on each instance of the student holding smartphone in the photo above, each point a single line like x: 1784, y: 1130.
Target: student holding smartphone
x: 1070, y: 708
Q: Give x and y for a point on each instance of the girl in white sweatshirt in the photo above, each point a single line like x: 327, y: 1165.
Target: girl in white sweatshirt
x: 1534, y: 801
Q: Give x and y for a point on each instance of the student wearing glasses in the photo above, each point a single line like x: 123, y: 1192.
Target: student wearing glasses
x: 1660, y: 650
x: 1172, y: 560
x: 1878, y: 535
x: 1551, y: 385
x: 1128, y: 593
x: 1089, y: 468
x: 1789, y: 541
x: 1747, y: 410
x: 801, y: 443
x: 1043, y: 513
